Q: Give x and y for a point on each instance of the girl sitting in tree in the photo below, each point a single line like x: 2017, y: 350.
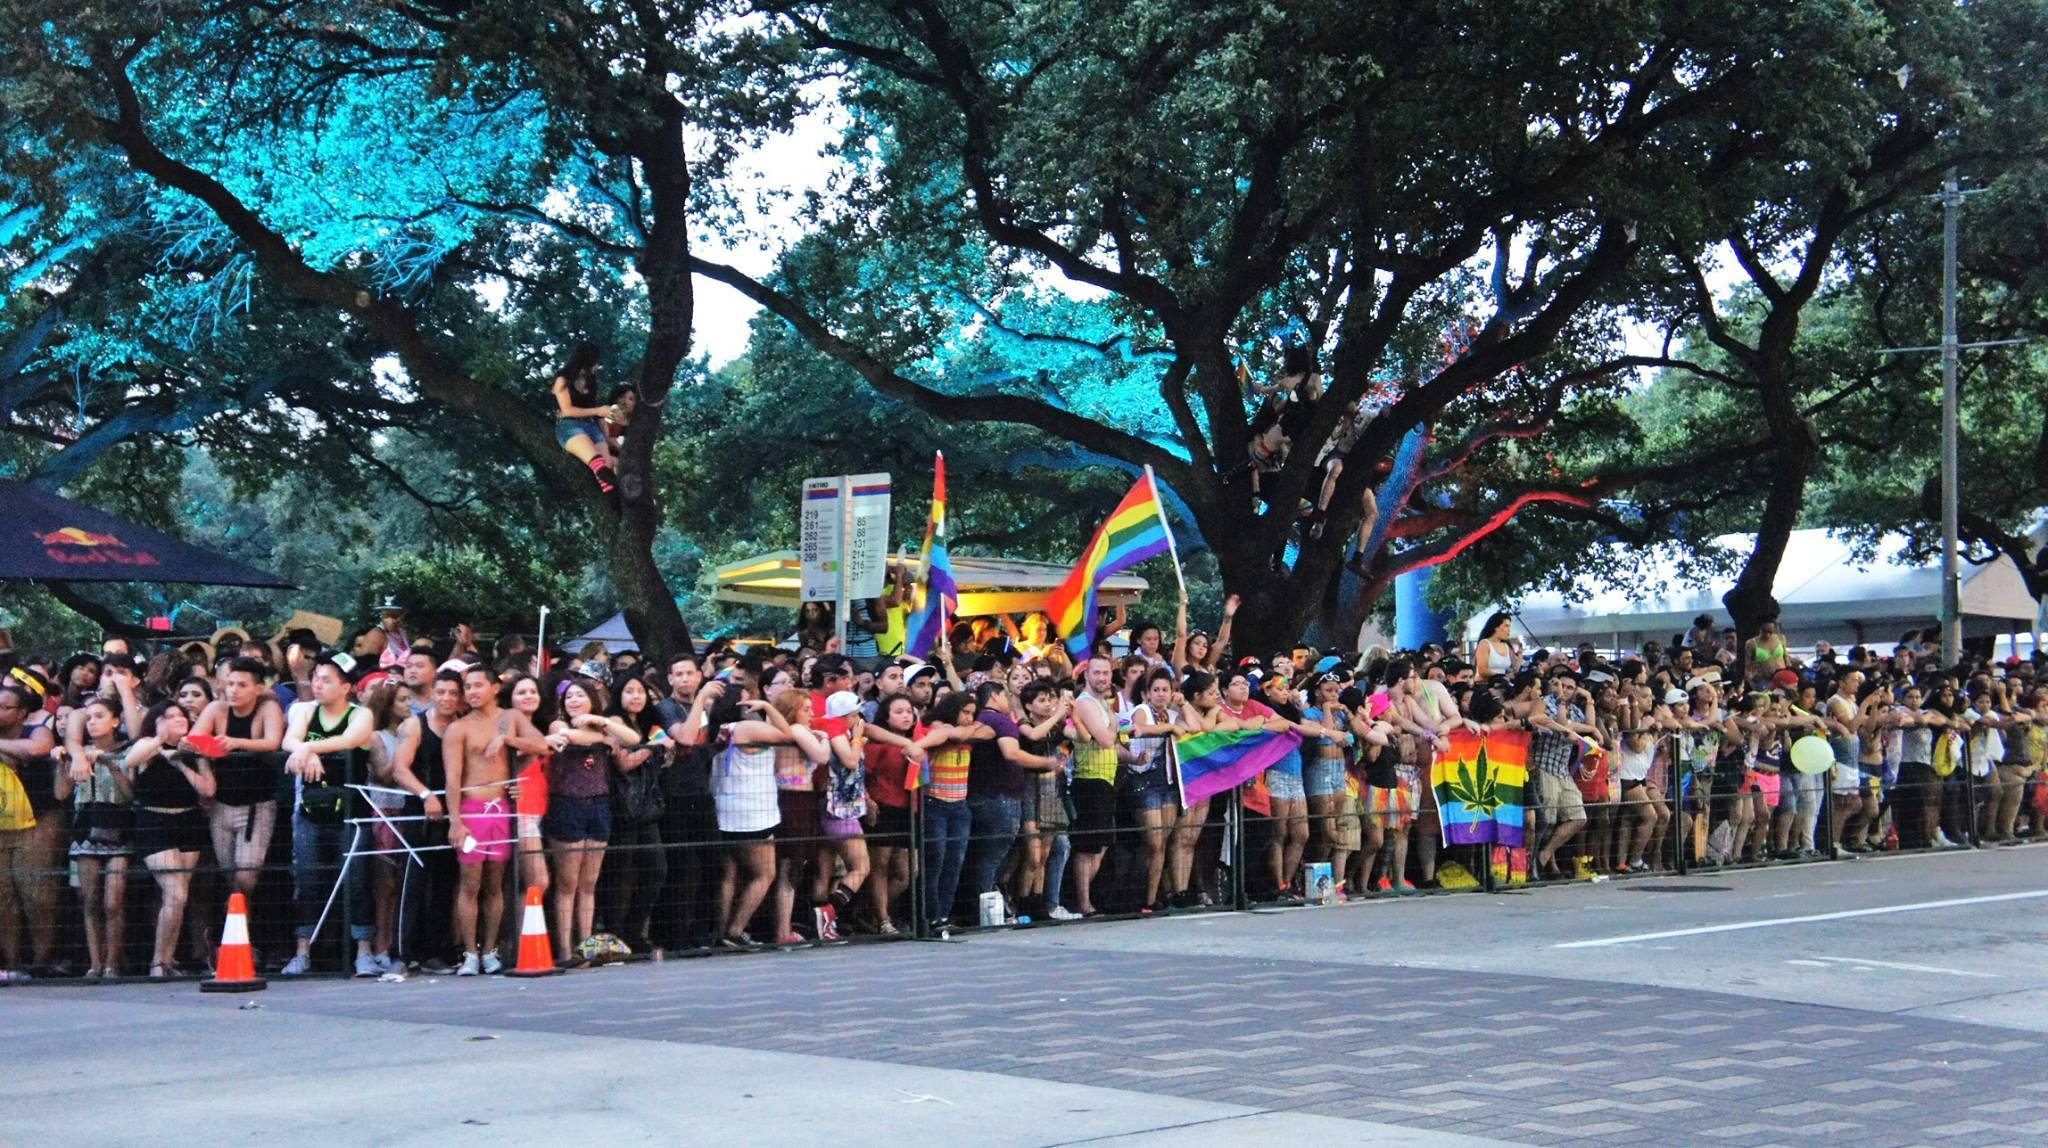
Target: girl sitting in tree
x: 579, y: 420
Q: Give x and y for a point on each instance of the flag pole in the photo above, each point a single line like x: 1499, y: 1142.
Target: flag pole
x: 1172, y: 549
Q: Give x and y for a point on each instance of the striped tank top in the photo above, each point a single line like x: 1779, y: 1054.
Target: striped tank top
x: 1093, y: 762
x: 949, y: 772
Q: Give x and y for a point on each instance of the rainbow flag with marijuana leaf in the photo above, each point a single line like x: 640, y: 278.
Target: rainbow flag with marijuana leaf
x: 1479, y: 782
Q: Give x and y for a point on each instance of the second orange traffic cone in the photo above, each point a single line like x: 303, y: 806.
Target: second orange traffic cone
x: 234, y: 970
x: 536, y: 959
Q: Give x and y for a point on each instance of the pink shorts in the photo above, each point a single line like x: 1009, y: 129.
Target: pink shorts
x: 489, y: 823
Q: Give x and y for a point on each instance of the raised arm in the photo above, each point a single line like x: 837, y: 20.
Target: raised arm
x: 1222, y: 639
x: 1180, y: 634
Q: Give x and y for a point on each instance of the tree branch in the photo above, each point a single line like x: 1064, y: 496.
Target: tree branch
x: 1065, y: 424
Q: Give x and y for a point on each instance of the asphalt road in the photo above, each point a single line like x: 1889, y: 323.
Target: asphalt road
x: 1888, y: 1002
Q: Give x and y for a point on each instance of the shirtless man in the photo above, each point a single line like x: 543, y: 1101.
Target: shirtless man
x: 250, y: 725
x: 480, y: 818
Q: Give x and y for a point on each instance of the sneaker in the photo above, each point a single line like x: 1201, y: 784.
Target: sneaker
x: 493, y: 964
x: 1062, y: 913
x: 15, y: 976
x: 471, y: 965
x: 740, y: 943
x: 887, y: 929
x: 366, y: 966
x: 1639, y: 866
x: 789, y: 940
x: 298, y: 966
x: 386, y: 963
x: 436, y: 967
x: 1941, y: 841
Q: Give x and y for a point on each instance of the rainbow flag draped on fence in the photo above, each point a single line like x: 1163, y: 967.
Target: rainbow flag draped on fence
x: 1133, y: 532
x: 939, y: 596
x: 1478, y: 782
x: 1209, y: 763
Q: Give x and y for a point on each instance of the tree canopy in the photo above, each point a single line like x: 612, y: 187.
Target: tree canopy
x: 341, y: 249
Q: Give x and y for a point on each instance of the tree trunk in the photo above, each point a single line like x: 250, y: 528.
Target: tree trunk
x: 1750, y: 601
x: 651, y: 612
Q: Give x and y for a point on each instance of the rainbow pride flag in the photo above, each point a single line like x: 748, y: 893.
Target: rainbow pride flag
x: 1133, y: 532
x: 1479, y: 783
x: 940, y: 595
x: 1211, y: 762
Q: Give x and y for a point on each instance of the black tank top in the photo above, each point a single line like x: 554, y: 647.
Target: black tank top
x: 162, y: 785
x: 428, y: 765
x: 244, y: 778
x: 346, y: 767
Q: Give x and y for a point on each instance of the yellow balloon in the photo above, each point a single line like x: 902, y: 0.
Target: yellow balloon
x: 1811, y: 754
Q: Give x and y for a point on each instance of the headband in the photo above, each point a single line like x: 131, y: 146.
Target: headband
x: 28, y: 682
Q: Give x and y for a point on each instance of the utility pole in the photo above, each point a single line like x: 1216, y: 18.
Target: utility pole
x: 1951, y: 559
x: 1951, y: 196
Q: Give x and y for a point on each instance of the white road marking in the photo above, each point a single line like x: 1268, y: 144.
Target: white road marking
x: 1846, y: 914
x: 1861, y: 961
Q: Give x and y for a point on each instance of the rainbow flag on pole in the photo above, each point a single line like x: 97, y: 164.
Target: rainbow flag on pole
x: 1211, y: 762
x: 1134, y: 531
x: 1479, y: 783
x: 938, y: 596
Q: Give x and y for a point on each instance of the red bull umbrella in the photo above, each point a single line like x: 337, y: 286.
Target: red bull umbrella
x: 46, y: 537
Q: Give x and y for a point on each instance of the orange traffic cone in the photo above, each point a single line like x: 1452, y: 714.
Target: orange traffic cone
x: 536, y: 959
x: 235, y: 967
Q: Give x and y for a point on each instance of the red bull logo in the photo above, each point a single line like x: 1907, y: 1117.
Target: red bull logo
x: 74, y: 546
x: 73, y: 536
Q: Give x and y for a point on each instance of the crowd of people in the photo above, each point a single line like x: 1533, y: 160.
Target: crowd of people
x: 748, y: 797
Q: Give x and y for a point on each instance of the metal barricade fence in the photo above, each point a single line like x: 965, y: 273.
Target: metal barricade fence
x: 680, y: 884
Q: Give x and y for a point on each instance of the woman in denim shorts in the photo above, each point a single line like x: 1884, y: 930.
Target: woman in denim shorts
x: 1148, y: 782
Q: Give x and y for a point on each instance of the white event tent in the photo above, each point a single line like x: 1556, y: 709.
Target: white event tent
x: 1826, y: 593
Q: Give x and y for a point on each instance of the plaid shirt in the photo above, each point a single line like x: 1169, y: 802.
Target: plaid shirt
x: 1552, y: 752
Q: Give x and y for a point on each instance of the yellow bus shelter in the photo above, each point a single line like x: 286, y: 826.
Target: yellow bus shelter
x: 987, y: 585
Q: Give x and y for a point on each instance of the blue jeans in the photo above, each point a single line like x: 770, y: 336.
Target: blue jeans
x: 1056, y: 868
x: 316, y: 855
x: 994, y: 823
x: 946, y: 825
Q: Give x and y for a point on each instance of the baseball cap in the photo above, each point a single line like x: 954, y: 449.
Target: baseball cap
x: 841, y: 704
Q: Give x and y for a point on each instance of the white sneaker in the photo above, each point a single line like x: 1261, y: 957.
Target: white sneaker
x: 1062, y: 913
x: 470, y: 967
x: 1941, y: 840
x: 298, y: 966
x: 366, y: 966
x: 386, y: 963
x: 493, y: 964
